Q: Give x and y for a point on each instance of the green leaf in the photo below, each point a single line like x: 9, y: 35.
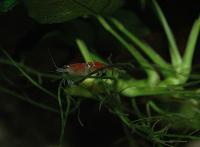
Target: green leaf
x: 7, y: 5
x: 57, y: 11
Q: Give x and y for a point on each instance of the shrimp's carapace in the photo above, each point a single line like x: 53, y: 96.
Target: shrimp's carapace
x: 81, y: 69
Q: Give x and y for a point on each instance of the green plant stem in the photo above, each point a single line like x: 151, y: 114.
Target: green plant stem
x: 155, y: 57
x: 84, y: 50
x: 60, y: 101
x: 63, y: 115
x: 152, y: 75
x: 128, y: 46
x: 27, y: 99
x: 131, y: 140
x: 134, y: 127
x: 134, y: 90
x: 190, y: 46
x: 96, y: 57
x: 155, y: 107
x: 183, y: 136
x: 28, y: 77
x: 130, y: 88
x: 30, y: 70
x: 174, y: 52
x: 136, y: 109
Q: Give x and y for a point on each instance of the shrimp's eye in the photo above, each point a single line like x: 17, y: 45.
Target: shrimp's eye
x: 66, y: 66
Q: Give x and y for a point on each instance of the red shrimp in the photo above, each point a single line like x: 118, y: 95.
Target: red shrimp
x: 81, y: 69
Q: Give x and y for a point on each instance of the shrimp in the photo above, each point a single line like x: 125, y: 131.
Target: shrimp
x: 81, y: 69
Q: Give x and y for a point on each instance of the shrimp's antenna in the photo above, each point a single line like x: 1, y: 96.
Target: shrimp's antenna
x: 51, y: 57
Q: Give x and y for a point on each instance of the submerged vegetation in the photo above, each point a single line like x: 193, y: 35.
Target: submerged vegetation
x: 161, y: 106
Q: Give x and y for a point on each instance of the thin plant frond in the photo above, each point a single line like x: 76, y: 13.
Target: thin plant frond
x: 26, y: 99
x: 152, y: 75
x: 190, y: 46
x: 28, y: 77
x: 84, y: 50
x: 155, y: 57
x: 174, y: 51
